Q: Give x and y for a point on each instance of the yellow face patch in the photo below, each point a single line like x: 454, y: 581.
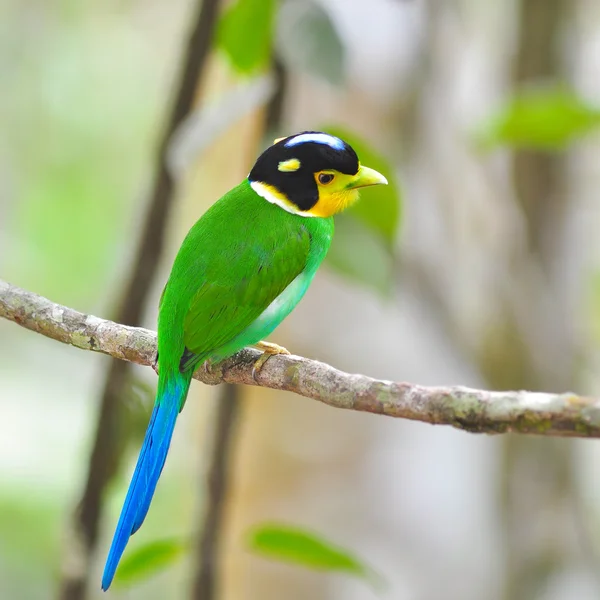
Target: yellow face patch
x: 289, y: 166
x: 333, y: 203
x: 335, y: 193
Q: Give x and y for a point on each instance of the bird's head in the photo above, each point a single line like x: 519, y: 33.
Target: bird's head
x: 312, y: 174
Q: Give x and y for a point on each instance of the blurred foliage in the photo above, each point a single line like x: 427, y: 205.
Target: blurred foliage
x: 363, y: 245
x: 305, y: 36
x: 38, y: 543
x: 275, y: 541
x: 245, y: 34
x: 31, y: 527
x: 307, y: 40
x: 361, y: 256
x: 148, y: 560
x: 300, y: 547
x: 380, y: 209
x: 80, y: 138
x: 541, y: 117
x: 83, y: 85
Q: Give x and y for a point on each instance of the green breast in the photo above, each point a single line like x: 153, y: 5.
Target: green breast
x: 230, y: 280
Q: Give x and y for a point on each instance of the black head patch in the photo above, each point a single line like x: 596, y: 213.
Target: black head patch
x: 315, y: 151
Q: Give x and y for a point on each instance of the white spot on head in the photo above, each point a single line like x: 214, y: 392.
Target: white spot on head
x: 317, y: 138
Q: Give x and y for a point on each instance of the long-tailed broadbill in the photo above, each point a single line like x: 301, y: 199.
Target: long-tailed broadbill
x: 240, y: 271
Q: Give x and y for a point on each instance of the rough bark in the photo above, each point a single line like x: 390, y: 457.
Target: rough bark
x: 477, y: 411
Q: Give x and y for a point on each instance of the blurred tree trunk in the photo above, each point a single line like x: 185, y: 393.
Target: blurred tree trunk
x: 521, y: 332
x: 539, y: 176
x: 537, y: 485
x: 210, y: 536
x: 108, y: 445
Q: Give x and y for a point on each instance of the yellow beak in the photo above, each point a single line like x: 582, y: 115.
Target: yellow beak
x: 365, y: 177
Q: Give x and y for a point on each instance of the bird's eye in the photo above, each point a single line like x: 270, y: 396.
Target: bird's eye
x: 325, y: 178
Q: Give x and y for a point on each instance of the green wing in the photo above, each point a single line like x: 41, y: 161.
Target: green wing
x: 240, y: 282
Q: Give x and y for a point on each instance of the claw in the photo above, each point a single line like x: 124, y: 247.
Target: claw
x: 268, y: 351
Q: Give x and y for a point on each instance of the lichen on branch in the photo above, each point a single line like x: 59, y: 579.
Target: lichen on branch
x: 478, y: 411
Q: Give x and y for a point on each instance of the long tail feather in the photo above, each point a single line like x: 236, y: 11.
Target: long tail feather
x: 169, y: 400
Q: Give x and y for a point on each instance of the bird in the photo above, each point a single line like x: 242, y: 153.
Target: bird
x: 241, y: 269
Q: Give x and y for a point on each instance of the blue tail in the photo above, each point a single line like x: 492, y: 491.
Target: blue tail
x: 169, y: 400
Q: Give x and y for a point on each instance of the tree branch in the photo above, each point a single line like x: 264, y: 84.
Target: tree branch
x: 477, y: 411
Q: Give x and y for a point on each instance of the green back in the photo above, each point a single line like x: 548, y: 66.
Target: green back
x: 232, y: 264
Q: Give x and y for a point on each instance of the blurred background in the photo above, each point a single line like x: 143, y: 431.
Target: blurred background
x: 124, y: 120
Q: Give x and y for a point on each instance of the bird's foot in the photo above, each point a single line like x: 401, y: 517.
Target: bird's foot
x: 208, y: 367
x: 268, y: 350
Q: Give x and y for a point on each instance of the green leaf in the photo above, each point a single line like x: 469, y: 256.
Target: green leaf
x: 359, y: 254
x: 297, y: 546
x: 149, y: 559
x: 544, y: 118
x: 363, y: 245
x: 245, y: 33
x: 308, y: 41
x: 380, y: 206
